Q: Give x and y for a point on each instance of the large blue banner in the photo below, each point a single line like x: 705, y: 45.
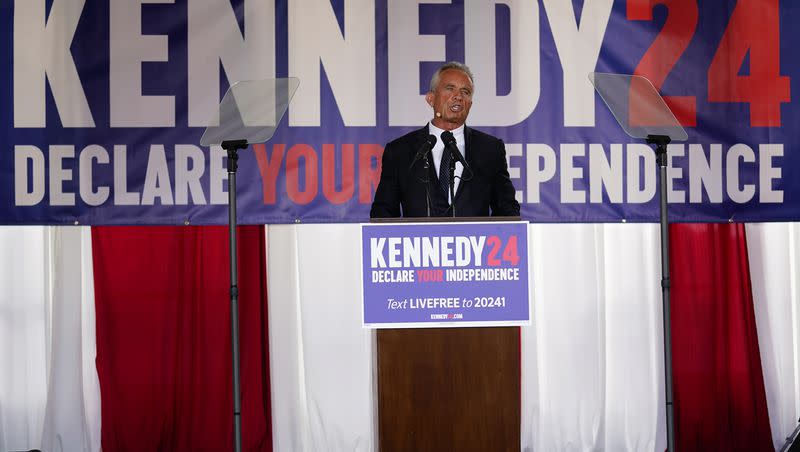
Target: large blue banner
x: 104, y: 102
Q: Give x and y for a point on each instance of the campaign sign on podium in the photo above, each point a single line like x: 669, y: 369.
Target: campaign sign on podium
x: 426, y: 275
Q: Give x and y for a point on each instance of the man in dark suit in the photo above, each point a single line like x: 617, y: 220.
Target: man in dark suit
x: 409, y: 188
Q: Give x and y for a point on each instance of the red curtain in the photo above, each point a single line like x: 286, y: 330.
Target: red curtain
x: 720, y: 403
x: 163, y: 338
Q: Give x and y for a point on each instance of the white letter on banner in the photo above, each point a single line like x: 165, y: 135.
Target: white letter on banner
x: 406, y: 49
x: 214, y: 36
x: 58, y: 174
x: 85, y: 161
x: 348, y: 58
x: 430, y: 251
x: 603, y: 173
x: 218, y: 176
x: 394, y: 252
x: 412, y: 251
x: 22, y: 155
x: 641, y: 165
x: 578, y: 49
x: 514, y: 150
x: 479, y: 48
x: 736, y: 152
x: 462, y: 251
x: 41, y: 51
x: 122, y: 197
x: 768, y: 173
x: 376, y: 252
x: 537, y: 174
x: 187, y: 176
x: 156, y: 180
x: 129, y: 48
x: 673, y: 172
x: 569, y: 173
x: 704, y: 173
x: 477, y: 248
x: 447, y: 251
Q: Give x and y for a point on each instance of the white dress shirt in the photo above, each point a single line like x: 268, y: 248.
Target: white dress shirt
x: 438, y: 150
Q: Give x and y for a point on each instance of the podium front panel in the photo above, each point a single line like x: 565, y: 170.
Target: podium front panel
x: 449, y: 389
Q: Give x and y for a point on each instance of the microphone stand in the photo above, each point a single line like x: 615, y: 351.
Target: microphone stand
x: 426, y: 179
x: 450, y: 145
x: 452, y: 176
x: 426, y: 164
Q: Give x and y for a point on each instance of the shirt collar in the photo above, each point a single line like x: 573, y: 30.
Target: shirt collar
x: 457, y: 133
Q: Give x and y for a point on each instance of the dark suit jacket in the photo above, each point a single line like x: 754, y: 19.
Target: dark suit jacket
x: 401, y: 191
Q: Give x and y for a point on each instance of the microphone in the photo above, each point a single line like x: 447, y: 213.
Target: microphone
x: 450, y: 143
x: 429, y: 143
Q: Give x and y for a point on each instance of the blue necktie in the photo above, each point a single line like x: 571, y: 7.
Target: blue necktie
x: 444, y: 172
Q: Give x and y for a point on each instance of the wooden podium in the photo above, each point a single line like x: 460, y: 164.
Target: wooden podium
x: 449, y: 389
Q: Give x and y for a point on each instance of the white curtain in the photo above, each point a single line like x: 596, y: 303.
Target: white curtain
x: 592, y: 361
x: 49, y: 392
x: 774, y: 256
x: 321, y: 360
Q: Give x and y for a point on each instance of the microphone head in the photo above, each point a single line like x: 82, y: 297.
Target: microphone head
x: 448, y: 138
x: 431, y: 140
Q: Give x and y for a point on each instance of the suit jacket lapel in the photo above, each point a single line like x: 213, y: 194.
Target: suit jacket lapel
x: 419, y: 171
x: 419, y: 166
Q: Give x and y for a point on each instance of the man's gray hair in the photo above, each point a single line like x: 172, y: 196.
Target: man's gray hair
x: 447, y: 66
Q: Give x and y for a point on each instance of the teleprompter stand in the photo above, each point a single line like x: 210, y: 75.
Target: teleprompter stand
x: 642, y: 113
x: 660, y: 142
x: 249, y: 113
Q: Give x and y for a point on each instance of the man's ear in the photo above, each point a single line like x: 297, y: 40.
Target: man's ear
x: 429, y: 98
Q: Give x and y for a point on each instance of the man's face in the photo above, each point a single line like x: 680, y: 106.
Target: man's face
x: 452, y: 98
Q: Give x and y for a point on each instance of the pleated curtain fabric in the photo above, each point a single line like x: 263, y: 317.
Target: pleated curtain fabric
x: 719, y: 387
x: 772, y: 251
x: 24, y: 305
x: 592, y: 364
x: 49, y: 394
x: 592, y: 359
x: 163, y: 338
x: 322, y: 360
